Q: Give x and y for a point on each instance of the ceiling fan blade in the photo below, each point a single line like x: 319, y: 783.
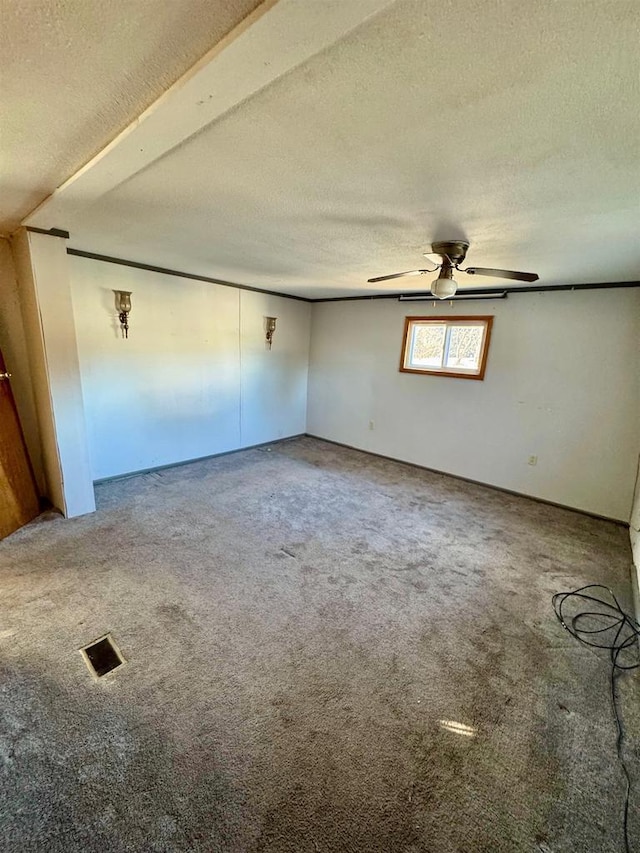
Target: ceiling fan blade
x: 517, y: 276
x: 398, y: 275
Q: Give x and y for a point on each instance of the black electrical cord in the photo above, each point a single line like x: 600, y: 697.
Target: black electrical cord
x: 609, y: 628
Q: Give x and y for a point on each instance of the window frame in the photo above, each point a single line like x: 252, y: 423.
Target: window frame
x: 486, y: 319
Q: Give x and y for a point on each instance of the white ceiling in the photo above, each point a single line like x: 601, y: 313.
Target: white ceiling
x: 73, y: 73
x: 514, y: 125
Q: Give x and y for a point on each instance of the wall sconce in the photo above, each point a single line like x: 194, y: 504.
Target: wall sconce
x: 271, y: 327
x: 123, y: 307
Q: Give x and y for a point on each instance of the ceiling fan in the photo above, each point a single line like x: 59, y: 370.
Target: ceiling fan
x: 447, y: 256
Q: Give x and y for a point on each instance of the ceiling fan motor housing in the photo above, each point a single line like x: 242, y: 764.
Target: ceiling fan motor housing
x: 455, y: 250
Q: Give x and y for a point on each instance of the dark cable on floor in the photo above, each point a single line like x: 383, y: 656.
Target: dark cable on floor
x: 608, y: 627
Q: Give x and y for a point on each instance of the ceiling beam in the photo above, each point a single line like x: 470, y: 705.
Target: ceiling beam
x: 277, y: 37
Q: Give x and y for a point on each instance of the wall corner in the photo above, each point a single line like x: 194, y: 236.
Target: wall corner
x: 44, y: 287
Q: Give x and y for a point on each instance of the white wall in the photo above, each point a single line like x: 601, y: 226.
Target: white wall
x: 194, y: 378
x: 274, y: 382
x: 562, y: 383
x: 634, y: 531
x: 42, y: 267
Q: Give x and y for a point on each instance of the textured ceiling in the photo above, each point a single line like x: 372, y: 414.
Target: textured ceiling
x: 73, y: 73
x: 432, y: 120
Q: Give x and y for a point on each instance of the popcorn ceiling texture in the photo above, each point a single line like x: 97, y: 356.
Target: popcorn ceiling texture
x: 297, y: 622
x: 74, y: 73
x: 513, y: 124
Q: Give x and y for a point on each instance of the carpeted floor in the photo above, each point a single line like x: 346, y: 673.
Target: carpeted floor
x: 327, y: 653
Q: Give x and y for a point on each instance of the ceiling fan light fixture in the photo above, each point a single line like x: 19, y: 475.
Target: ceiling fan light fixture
x: 445, y: 285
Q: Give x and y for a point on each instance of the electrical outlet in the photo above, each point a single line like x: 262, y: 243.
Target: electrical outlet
x: 370, y: 424
x: 533, y: 460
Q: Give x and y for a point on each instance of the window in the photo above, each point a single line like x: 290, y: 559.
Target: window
x: 456, y: 346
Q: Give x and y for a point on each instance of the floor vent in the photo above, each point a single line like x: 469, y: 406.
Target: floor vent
x: 102, y: 656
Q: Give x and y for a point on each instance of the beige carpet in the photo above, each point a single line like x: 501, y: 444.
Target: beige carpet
x: 327, y: 652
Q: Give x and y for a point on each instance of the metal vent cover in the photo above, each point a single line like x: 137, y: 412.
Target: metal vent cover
x: 102, y: 656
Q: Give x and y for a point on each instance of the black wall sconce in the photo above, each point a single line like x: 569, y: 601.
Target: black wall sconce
x: 123, y: 307
x: 271, y: 327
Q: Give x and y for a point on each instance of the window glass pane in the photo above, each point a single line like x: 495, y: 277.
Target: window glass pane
x: 465, y: 344
x: 427, y: 345
x: 455, y: 347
